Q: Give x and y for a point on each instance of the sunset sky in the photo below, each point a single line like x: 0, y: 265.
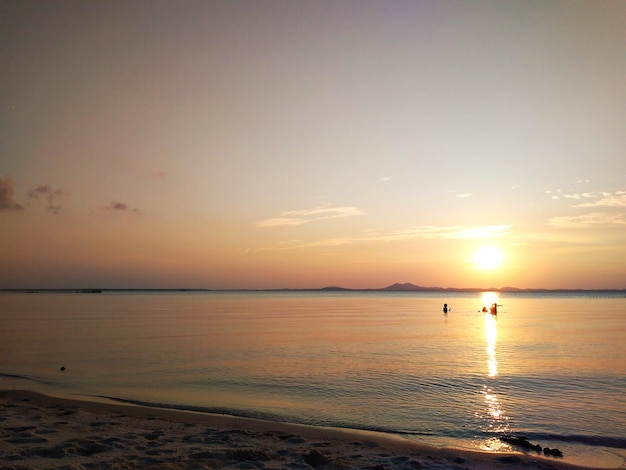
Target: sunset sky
x: 270, y: 144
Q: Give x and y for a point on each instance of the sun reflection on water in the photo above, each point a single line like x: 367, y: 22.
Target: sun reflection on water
x: 497, y: 421
x: 491, y: 332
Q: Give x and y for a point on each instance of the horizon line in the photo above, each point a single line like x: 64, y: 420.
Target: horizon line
x: 406, y: 287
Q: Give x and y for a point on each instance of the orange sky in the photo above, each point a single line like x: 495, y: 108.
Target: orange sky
x: 265, y: 145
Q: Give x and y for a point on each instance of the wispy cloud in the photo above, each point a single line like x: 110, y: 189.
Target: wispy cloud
x: 418, y: 232
x: 384, y: 179
x: 616, y: 199
x: 50, y: 195
x: 306, y: 216
x: 122, y: 207
x: 464, y: 195
x: 594, y: 219
x: 6, y: 195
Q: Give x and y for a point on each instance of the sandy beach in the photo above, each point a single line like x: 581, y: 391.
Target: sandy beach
x: 40, y: 431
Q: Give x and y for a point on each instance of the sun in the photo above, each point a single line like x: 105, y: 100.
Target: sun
x: 488, y: 257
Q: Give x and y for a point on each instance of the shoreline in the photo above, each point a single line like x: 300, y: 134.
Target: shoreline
x: 49, y: 431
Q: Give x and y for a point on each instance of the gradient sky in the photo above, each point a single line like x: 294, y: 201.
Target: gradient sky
x: 269, y: 144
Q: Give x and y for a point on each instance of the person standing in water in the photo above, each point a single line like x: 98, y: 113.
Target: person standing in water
x: 445, y: 308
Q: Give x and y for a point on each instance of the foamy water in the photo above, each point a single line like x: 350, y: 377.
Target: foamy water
x: 550, y: 367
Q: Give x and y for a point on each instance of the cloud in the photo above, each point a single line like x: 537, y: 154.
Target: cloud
x: 464, y: 195
x: 443, y: 232
x: 384, y: 179
x: 6, y: 195
x: 593, y: 219
x: 418, y: 232
x: 122, y: 207
x: 119, y: 206
x: 306, y: 216
x: 616, y: 199
x: 50, y: 194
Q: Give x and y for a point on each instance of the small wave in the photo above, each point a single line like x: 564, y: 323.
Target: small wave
x: 25, y: 377
x: 198, y: 409
x: 261, y: 415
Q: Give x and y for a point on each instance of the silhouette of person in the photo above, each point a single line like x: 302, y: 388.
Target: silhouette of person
x: 445, y: 308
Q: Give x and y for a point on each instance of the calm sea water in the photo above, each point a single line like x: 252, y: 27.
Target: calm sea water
x: 550, y: 367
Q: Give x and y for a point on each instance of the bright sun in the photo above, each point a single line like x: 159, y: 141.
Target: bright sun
x: 488, y: 257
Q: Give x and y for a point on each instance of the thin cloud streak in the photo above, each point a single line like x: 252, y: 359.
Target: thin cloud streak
x: 307, y: 216
x: 428, y: 232
x: 593, y: 219
x: 616, y: 199
x: 122, y: 207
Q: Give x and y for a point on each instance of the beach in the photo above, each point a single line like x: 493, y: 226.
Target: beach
x: 42, y: 431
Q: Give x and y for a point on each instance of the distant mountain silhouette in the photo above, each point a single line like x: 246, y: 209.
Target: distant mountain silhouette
x: 407, y: 286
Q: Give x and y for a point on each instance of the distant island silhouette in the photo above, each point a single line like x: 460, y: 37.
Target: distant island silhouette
x: 409, y: 287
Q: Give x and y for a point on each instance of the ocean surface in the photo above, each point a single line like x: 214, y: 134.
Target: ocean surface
x: 551, y: 367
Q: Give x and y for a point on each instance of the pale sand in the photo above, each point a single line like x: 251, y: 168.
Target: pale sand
x: 39, y: 431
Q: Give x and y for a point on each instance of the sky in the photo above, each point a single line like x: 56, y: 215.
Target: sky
x: 303, y: 144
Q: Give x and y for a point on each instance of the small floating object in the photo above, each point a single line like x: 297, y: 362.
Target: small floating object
x: 62, y: 368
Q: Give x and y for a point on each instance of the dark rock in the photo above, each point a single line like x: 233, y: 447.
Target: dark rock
x: 553, y: 452
x: 521, y: 442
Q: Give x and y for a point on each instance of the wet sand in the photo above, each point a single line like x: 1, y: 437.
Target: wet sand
x: 40, y: 431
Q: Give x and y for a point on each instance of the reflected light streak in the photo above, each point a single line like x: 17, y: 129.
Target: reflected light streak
x: 497, y: 420
x: 491, y: 332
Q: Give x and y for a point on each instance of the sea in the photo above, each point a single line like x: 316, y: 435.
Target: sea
x: 549, y: 366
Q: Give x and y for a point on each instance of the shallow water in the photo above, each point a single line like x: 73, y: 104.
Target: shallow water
x: 550, y: 367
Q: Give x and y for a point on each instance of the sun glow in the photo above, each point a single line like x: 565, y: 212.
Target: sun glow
x: 488, y: 257
x: 489, y: 298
